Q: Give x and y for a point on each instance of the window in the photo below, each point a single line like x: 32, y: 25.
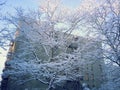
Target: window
x: 87, y: 77
x: 92, y: 67
x: 92, y: 77
x: 87, y: 66
x: 76, y: 39
x: 100, y: 66
x: 93, y: 85
x: 73, y: 46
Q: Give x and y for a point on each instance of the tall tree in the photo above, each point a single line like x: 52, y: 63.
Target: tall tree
x: 106, y: 21
x: 41, y: 32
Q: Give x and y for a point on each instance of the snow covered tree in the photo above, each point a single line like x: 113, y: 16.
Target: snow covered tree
x: 46, y: 49
x: 106, y: 21
x: 5, y: 33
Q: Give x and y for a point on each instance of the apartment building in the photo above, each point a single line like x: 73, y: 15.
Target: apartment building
x: 22, y: 50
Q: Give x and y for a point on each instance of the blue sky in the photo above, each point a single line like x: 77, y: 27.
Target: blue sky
x: 71, y: 3
x: 33, y: 4
x: 23, y: 3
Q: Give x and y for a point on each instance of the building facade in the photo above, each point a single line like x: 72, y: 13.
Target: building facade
x: 18, y: 74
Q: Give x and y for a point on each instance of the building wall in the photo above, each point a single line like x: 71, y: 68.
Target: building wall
x: 92, y: 72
